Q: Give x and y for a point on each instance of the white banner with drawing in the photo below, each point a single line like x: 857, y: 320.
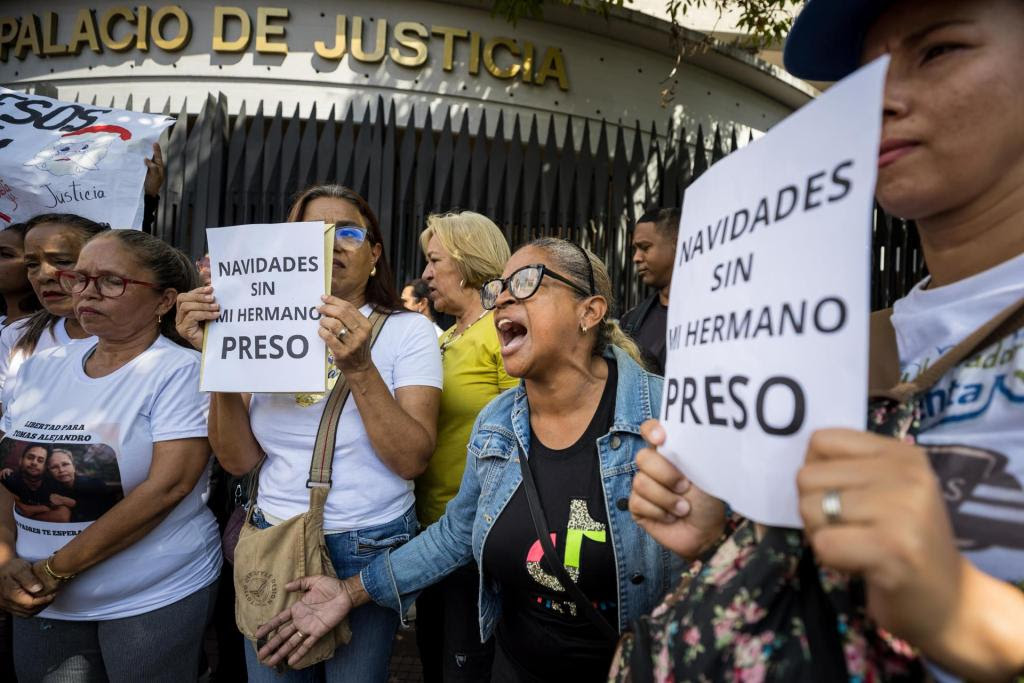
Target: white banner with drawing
x: 66, y: 157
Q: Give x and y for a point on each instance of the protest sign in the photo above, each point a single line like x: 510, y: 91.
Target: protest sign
x: 66, y: 157
x: 268, y: 280
x: 767, y: 331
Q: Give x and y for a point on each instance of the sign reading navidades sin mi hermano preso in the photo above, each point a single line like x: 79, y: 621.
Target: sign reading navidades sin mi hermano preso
x: 66, y: 157
x: 768, y: 312
x: 268, y: 280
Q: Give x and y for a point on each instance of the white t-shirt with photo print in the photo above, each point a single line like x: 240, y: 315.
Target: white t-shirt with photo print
x: 974, y: 417
x: 10, y: 335
x: 364, y: 491
x: 110, y: 424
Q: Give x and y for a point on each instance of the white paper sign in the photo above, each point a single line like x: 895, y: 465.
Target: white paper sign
x: 767, y: 330
x: 268, y: 280
x: 65, y: 157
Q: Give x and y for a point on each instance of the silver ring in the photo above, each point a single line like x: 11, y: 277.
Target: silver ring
x: 342, y: 332
x: 832, y: 506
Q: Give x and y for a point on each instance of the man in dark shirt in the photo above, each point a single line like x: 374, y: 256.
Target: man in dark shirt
x: 31, y: 487
x: 654, y: 253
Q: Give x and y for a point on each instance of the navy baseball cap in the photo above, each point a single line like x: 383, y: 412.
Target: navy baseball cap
x: 827, y: 38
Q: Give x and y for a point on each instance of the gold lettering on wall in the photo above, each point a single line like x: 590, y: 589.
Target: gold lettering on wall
x: 410, y: 44
x: 179, y: 40
x: 107, y: 22
x: 265, y: 31
x: 50, y: 46
x: 8, y: 32
x: 410, y: 34
x: 85, y: 32
x: 142, y: 44
x: 220, y: 20
x: 338, y: 51
x: 474, y: 53
x: 527, y: 72
x: 28, y: 37
x: 489, y: 63
x: 450, y: 34
x: 357, y: 41
x: 553, y: 66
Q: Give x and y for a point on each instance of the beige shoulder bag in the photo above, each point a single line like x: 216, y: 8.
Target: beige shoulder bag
x: 268, y: 559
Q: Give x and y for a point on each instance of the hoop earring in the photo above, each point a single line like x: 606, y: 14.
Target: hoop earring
x: 373, y: 271
x: 462, y: 283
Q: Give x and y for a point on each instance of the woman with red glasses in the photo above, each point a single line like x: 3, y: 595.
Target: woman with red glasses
x: 386, y: 432
x: 118, y: 591
x: 51, y: 242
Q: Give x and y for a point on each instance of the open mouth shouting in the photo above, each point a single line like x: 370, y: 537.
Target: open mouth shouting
x: 512, y: 335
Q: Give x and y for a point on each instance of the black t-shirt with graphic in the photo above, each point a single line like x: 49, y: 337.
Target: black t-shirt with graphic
x: 542, y: 631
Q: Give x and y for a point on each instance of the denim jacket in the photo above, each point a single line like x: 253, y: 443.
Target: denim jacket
x: 645, y: 570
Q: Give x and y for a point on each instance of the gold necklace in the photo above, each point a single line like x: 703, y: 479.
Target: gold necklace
x: 451, y: 339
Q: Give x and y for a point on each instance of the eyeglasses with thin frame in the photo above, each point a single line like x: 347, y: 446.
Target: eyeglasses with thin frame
x: 522, y: 284
x: 110, y: 286
x: 349, y: 237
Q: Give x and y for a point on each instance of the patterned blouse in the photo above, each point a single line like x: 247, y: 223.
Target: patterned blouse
x: 764, y: 611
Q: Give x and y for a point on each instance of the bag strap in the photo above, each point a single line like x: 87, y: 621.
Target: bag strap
x: 540, y: 525
x: 885, y: 352
x: 327, y: 433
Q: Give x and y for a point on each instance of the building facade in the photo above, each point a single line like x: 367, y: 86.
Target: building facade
x: 565, y: 125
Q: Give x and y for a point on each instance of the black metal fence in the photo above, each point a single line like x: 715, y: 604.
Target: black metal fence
x: 225, y: 169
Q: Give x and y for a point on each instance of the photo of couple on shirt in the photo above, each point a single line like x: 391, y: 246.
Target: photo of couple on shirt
x: 60, y: 483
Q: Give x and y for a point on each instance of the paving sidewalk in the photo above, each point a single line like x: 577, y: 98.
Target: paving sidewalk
x: 405, y: 659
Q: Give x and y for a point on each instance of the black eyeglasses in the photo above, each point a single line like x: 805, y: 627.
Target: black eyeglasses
x: 522, y: 284
x: 110, y: 286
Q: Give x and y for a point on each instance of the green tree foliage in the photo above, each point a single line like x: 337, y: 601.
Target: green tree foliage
x: 765, y: 22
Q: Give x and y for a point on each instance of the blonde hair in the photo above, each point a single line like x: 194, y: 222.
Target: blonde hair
x: 475, y: 243
x: 569, y: 258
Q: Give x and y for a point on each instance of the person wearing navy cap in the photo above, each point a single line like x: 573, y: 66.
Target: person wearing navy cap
x: 934, y: 526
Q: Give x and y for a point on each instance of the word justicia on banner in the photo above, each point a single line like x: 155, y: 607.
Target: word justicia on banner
x: 66, y: 157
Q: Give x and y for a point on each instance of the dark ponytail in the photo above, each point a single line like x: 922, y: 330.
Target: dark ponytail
x: 43, y: 320
x: 172, y: 269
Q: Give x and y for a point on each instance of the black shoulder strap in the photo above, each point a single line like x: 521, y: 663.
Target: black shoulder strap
x: 320, y: 466
x: 540, y: 525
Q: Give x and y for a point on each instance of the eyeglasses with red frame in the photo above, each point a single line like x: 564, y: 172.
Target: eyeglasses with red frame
x: 110, y: 286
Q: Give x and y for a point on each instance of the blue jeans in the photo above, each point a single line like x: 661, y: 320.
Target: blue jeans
x: 365, y: 658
